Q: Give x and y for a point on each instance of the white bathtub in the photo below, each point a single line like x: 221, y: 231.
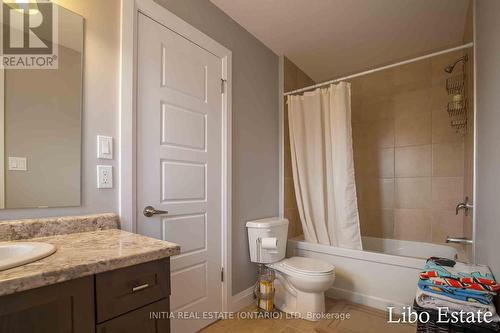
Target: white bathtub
x: 384, y: 274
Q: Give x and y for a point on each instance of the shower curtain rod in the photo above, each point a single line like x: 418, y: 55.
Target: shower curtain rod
x: 465, y: 46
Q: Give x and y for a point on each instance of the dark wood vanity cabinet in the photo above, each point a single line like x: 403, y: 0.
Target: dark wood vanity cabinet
x: 130, y: 299
x: 139, y: 321
x: 59, y: 308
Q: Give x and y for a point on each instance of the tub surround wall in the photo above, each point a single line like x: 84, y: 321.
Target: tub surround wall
x: 409, y: 162
x: 293, y: 78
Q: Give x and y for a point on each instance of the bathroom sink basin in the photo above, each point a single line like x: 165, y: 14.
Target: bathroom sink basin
x: 13, y: 254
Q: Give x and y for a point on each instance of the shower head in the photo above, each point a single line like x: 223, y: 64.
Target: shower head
x: 449, y: 69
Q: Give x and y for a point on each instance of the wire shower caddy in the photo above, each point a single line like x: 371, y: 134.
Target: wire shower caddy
x: 457, y: 108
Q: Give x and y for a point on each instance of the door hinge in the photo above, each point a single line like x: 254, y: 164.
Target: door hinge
x: 222, y: 274
x: 222, y: 86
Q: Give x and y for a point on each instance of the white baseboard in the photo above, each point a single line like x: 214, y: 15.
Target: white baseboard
x: 242, y: 299
x: 363, y: 299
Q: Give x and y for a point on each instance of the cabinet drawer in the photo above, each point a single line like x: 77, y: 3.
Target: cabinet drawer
x: 152, y: 318
x: 130, y: 288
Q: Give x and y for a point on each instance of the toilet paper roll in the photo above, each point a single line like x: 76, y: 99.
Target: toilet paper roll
x: 269, y: 243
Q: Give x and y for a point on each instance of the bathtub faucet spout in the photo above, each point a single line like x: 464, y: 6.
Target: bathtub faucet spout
x: 458, y: 240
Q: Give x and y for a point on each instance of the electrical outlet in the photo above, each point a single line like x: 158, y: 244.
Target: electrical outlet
x: 104, y: 176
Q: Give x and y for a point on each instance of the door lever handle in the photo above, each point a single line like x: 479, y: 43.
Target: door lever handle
x: 150, y: 211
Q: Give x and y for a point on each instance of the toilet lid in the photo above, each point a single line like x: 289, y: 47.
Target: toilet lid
x: 308, y: 265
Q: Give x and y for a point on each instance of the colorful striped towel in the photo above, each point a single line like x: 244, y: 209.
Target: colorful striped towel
x: 463, y: 295
x: 460, y: 276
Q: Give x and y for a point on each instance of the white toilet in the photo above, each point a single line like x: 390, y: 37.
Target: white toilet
x: 300, y: 282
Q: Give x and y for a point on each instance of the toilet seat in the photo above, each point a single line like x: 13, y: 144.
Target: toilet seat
x: 304, y: 266
x: 300, y: 285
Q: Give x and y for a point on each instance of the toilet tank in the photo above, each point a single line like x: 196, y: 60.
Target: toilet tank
x: 267, y: 239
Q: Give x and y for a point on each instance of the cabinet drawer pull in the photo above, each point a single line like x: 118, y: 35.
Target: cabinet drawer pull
x: 141, y: 287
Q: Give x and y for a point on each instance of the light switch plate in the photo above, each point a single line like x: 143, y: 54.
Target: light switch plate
x: 104, y: 147
x: 104, y: 176
x: 18, y: 164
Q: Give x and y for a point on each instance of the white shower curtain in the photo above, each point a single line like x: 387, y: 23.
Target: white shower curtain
x: 323, y: 166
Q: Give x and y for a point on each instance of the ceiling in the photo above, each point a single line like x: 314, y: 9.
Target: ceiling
x: 330, y: 38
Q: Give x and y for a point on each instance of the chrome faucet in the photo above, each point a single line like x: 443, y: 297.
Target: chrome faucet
x: 466, y: 206
x: 458, y: 240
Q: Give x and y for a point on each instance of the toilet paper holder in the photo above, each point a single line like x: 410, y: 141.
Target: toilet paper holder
x: 266, y: 243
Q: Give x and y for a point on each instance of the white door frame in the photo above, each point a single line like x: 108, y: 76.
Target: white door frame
x: 128, y: 131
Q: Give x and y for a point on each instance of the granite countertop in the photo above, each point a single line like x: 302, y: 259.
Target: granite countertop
x: 82, y: 254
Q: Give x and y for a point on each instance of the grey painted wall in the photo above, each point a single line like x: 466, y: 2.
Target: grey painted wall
x: 488, y: 133
x: 100, y: 104
x: 255, y: 124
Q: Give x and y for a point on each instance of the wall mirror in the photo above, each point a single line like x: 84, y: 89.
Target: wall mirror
x: 40, y: 113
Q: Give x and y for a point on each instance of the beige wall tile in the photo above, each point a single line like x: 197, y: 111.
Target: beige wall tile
x: 294, y: 77
x: 286, y: 132
x: 412, y: 224
x: 374, y: 163
x: 412, y: 128
x: 289, y: 75
x: 303, y: 80
x: 412, y: 117
x: 412, y: 101
x: 447, y: 192
x: 416, y: 74
x: 442, y: 132
x: 385, y: 163
x: 360, y: 136
x: 356, y: 113
x: 288, y: 163
x: 446, y: 223
x: 363, y: 162
x: 356, y: 96
x: 294, y: 225
x: 378, y: 134
x: 290, y: 201
x: 387, y: 218
x: 377, y: 109
x: 469, y: 164
x: 414, y: 161
x: 377, y: 84
x: 448, y: 160
x: 383, y: 134
x: 378, y: 193
x: 377, y: 223
x: 413, y: 192
x: 439, y: 96
x: 467, y: 231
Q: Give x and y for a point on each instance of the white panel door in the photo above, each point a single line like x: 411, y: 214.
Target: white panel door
x: 179, y: 163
